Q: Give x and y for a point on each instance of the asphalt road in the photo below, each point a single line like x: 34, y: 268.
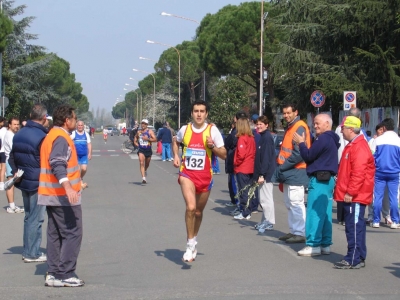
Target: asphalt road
x: 134, y: 239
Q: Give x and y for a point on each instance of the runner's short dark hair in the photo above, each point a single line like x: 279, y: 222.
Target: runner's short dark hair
x: 200, y: 102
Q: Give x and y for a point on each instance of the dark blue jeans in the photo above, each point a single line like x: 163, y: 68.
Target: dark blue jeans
x: 34, y: 217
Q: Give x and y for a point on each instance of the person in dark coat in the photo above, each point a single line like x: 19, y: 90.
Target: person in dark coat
x: 25, y: 155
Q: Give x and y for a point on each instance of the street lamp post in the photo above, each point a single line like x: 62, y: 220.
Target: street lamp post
x: 154, y: 93
x: 141, y: 100
x: 261, y: 91
x: 197, y: 22
x: 179, y: 78
x: 137, y: 101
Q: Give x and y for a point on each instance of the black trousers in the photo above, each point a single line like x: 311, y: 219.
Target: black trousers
x: 64, y: 238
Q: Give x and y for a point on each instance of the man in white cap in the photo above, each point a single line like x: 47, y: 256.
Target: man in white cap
x: 143, y: 139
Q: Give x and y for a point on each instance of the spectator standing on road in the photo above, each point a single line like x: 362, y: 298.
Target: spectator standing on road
x: 322, y: 165
x: 291, y: 172
x: 60, y: 192
x: 83, y: 147
x: 355, y: 112
x: 264, y: 167
x: 165, y: 136
x: 123, y: 131
x: 244, y: 166
x: 200, y: 140
x: 230, y: 146
x: 143, y: 139
x: 387, y: 162
x: 13, y: 127
x: 105, y: 135
x: 354, y: 187
x: 25, y: 155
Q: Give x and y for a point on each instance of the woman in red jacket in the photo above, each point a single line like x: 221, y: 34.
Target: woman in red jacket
x: 244, y: 165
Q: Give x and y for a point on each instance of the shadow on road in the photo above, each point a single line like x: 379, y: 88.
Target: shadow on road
x: 395, y: 270
x: 41, y: 268
x: 174, y: 255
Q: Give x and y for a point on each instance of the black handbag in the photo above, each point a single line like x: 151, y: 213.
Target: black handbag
x: 323, y: 175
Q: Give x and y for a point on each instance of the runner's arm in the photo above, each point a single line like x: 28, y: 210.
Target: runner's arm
x: 135, y: 139
x: 152, y: 137
x: 89, y: 145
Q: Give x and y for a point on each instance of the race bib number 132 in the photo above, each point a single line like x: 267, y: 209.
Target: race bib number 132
x: 195, y: 159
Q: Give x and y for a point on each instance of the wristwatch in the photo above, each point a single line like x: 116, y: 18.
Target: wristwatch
x: 212, y: 146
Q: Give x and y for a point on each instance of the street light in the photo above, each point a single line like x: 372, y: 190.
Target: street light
x: 154, y: 92
x: 137, y: 100
x: 197, y: 22
x: 141, y: 99
x: 179, y: 77
x: 145, y: 58
x: 175, y: 16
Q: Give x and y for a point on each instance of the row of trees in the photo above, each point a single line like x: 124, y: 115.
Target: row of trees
x: 30, y: 74
x: 330, y: 45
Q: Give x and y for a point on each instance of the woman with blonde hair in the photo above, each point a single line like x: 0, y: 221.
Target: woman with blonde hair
x: 244, y: 165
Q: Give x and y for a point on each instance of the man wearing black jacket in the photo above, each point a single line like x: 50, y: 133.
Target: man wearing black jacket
x: 230, y: 146
x: 322, y: 166
x: 264, y: 168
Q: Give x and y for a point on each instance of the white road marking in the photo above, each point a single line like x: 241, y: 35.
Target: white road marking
x: 111, y: 150
x: 95, y: 150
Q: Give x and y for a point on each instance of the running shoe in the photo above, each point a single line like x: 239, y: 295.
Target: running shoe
x: 257, y: 226
x: 72, y: 282
x: 41, y: 258
x: 144, y: 181
x: 241, y: 217
x: 230, y: 204
x: 16, y: 210
x: 394, y: 226
x: 346, y: 265
x: 265, y: 226
x: 375, y: 225
x: 326, y: 250
x: 190, y: 254
x: 52, y: 281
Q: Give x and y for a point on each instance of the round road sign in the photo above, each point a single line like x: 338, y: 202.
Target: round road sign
x: 317, y: 98
x: 350, y: 97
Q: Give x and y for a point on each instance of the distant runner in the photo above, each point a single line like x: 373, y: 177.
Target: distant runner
x: 143, y: 139
x: 105, y: 135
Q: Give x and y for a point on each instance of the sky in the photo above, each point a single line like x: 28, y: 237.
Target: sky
x: 103, y: 40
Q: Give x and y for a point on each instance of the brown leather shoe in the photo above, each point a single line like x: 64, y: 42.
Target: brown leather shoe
x: 296, y: 239
x: 286, y: 236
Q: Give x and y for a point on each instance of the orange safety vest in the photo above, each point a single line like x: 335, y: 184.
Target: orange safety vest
x: 287, y: 144
x: 48, y: 183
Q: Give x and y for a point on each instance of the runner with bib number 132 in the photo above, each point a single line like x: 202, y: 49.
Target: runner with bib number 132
x: 201, y: 140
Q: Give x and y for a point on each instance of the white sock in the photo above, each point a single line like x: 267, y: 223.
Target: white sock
x: 192, y: 242
x: 12, y: 205
x: 144, y: 178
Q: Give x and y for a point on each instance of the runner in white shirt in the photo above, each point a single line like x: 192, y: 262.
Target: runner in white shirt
x: 13, y: 127
x: 201, y: 141
x: 105, y: 135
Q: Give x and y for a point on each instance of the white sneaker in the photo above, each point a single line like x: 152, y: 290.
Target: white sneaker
x: 309, y: 251
x: 375, y: 225
x: 41, y: 258
x: 72, y: 282
x: 235, y: 212
x: 265, y: 226
x: 1, y: 186
x: 326, y: 250
x: 394, y: 226
x: 16, y: 210
x: 190, y: 254
x: 52, y: 281
x: 241, y: 217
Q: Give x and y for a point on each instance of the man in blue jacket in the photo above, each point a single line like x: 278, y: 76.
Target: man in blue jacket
x: 322, y: 165
x: 165, y: 136
x: 25, y: 155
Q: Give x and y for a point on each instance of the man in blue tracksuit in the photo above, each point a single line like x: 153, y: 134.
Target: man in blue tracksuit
x: 322, y: 166
x: 387, y: 163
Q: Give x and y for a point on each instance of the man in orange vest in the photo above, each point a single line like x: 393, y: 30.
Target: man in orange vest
x: 291, y: 172
x: 201, y: 141
x: 60, y: 191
